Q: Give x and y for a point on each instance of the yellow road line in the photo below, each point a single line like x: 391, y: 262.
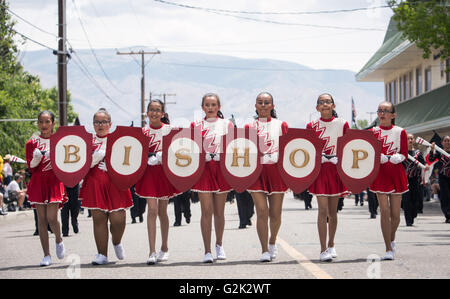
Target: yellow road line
x: 315, y: 270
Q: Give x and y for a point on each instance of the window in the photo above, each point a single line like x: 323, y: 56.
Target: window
x: 418, y: 81
x: 406, y: 86
x: 400, y: 89
x: 428, y: 79
x: 447, y: 73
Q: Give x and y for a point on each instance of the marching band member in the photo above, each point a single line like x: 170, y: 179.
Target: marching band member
x: 211, y: 187
x: 411, y: 199
x: 391, y: 181
x: 268, y: 190
x: 328, y: 187
x: 102, y: 197
x: 45, y: 191
x: 154, y: 185
x: 444, y: 176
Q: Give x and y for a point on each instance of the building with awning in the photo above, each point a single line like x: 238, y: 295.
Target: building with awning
x: 418, y: 87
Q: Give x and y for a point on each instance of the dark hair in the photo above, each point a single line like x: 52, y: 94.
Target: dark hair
x: 165, y: 118
x: 273, y: 113
x: 334, y: 113
x: 52, y: 115
x: 211, y: 94
x: 392, y: 110
x: 104, y: 111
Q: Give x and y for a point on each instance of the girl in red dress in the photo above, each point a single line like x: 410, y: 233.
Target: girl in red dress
x: 328, y: 187
x: 211, y: 187
x: 268, y: 190
x: 154, y: 185
x: 45, y: 191
x: 391, y: 181
x: 105, y: 200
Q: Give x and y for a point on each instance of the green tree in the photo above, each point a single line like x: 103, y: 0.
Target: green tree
x: 427, y: 23
x: 21, y: 93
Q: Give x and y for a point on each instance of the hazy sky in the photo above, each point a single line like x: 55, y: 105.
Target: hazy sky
x: 344, y: 40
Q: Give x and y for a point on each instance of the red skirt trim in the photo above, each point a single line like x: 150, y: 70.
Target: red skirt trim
x: 98, y: 192
x: 44, y: 188
x: 154, y: 184
x: 269, y: 181
x: 212, y: 180
x: 328, y: 182
x: 391, y: 179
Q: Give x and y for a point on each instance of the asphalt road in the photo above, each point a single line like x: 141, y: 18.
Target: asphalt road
x: 423, y: 250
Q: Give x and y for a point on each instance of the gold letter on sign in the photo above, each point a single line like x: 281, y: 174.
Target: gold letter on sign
x: 126, y: 158
x: 179, y: 156
x: 356, y: 157
x: 74, y: 153
x: 245, y: 157
x: 292, y: 158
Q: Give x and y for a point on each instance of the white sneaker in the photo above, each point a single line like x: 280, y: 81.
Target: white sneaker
x: 325, y: 256
x: 120, y: 253
x: 60, y: 250
x: 389, y: 256
x: 265, y: 257
x: 162, y: 256
x: 332, y: 251
x: 393, y: 246
x: 152, y: 259
x: 273, y: 251
x: 46, y: 261
x: 100, y: 259
x: 220, y: 253
x: 208, y: 258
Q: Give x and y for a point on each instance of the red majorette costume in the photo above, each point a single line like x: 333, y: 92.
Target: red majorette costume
x: 328, y: 182
x: 391, y: 177
x: 154, y: 183
x: 97, y: 190
x: 44, y: 186
x: 270, y: 180
x: 212, y: 179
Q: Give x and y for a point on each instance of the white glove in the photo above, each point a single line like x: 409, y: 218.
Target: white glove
x: 216, y: 157
x: 270, y: 158
x: 102, y: 166
x: 152, y: 160
x: 37, y: 157
x: 97, y: 156
x: 383, y: 159
x: 333, y: 160
x: 159, y: 157
x: 208, y: 158
x: 47, y: 154
x: 324, y: 159
x: 397, y: 158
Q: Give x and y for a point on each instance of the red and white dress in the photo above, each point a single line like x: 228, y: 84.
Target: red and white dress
x: 269, y: 132
x: 328, y: 182
x: 212, y: 179
x: 44, y: 186
x: 154, y: 183
x: 391, y: 177
x: 97, y: 191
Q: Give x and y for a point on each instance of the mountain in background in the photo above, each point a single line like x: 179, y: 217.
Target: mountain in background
x: 237, y: 81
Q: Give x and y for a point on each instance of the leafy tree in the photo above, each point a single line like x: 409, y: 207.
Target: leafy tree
x: 21, y: 93
x: 427, y: 23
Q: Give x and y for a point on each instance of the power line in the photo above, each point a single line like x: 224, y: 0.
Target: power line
x: 34, y: 41
x: 93, y: 52
x: 272, y: 12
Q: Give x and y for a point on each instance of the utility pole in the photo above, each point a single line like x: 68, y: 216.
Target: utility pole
x: 164, y: 95
x: 142, y: 53
x: 62, y: 63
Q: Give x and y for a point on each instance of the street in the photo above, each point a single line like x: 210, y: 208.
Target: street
x: 422, y: 250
